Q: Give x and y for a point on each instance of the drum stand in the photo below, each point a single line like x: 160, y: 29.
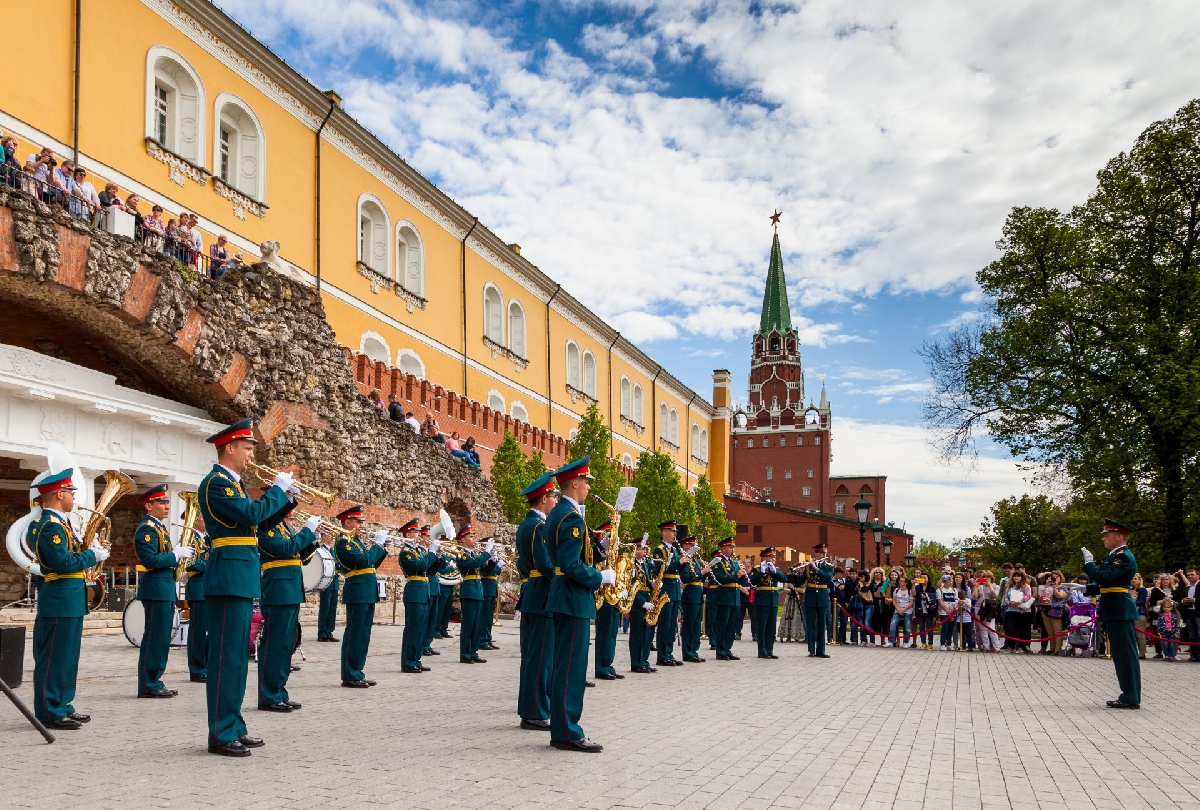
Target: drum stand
x: 29, y: 600
x: 25, y: 711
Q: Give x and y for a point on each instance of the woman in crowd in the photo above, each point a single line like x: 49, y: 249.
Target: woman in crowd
x: 866, y: 595
x: 966, y: 624
x: 469, y: 448
x: 987, y: 608
x: 872, y: 594
x: 1018, y: 606
x: 1140, y: 595
x: 886, y: 608
x: 1052, y: 599
x: 903, y: 605
x: 947, y: 597
x: 926, y: 609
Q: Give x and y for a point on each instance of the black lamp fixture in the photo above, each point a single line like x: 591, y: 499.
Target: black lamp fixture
x: 877, y: 530
x: 861, y: 507
x: 887, y: 550
x: 910, y: 560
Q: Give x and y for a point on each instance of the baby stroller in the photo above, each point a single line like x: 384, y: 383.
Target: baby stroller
x: 1081, y: 634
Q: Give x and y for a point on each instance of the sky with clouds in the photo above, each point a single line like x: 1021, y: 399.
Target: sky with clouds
x: 635, y: 150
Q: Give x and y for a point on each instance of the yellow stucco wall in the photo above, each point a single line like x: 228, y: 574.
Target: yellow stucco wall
x: 118, y: 35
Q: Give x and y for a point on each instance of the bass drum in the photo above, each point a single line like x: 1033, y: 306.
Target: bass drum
x: 318, y: 572
x: 97, y: 593
x: 133, y: 623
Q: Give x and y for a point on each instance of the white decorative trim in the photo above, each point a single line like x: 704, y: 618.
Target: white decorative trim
x: 229, y: 98
x: 401, y: 354
x: 629, y: 423
x: 376, y: 278
x: 178, y: 168
x: 153, y: 54
x: 412, y: 301
x: 241, y: 203
x: 575, y: 394
x: 519, y: 362
x: 488, y: 402
x: 512, y: 407
x: 362, y: 345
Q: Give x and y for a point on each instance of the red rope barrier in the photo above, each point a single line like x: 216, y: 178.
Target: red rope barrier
x: 1148, y: 634
x: 901, y: 636
x: 1039, y: 639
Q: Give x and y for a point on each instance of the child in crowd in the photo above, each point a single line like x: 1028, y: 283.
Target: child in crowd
x: 1167, y: 625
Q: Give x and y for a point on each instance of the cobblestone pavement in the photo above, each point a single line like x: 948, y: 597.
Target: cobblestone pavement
x: 871, y: 728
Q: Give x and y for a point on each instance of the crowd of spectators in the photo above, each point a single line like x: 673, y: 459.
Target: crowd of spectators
x: 66, y: 185
x: 464, y: 450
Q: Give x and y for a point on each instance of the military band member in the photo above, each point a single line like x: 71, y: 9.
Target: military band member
x: 282, y: 554
x: 536, y: 567
x: 446, y: 600
x: 436, y: 569
x: 668, y: 621
x: 608, y: 617
x: 470, y: 598
x: 197, y: 643
x: 692, y: 573
x: 327, y: 613
x: 768, y: 582
x: 818, y: 576
x: 62, y: 601
x: 1112, y: 578
x: 359, y: 594
x: 231, y: 582
x: 156, y: 590
x: 645, y: 571
x: 572, y: 603
x: 725, y: 600
x: 489, y: 576
x: 414, y: 562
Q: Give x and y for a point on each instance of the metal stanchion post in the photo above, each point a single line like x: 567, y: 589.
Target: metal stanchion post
x: 1107, y: 646
x: 704, y: 619
x: 961, y: 646
x: 833, y: 618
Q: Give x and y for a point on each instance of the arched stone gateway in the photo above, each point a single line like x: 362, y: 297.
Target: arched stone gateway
x: 186, y: 351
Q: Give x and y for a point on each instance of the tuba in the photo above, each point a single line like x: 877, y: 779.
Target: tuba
x: 188, y: 535
x: 99, y: 528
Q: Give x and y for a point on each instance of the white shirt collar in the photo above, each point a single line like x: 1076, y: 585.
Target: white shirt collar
x: 576, y: 505
x: 538, y: 512
x: 235, y: 476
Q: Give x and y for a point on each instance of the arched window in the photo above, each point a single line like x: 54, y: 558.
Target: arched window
x: 495, y: 401
x: 516, y: 328
x: 816, y: 439
x: 373, y: 231
x: 375, y: 347
x: 493, y: 314
x: 674, y: 422
x: 750, y: 444
x: 637, y: 404
x: 410, y: 362
x: 627, y: 459
x: 770, y: 473
x: 573, y: 365
x: 704, y: 444
x: 571, y: 436
x: 175, y: 105
x: 783, y: 441
x: 842, y: 490
x: 626, y: 398
x: 664, y: 428
x: 240, y: 147
x: 696, y: 440
x: 519, y: 412
x: 865, y: 490
x: 589, y: 374
x: 839, y: 508
x: 810, y: 473
x: 410, y: 259
x: 799, y: 441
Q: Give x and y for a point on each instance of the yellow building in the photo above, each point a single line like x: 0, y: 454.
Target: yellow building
x: 177, y: 103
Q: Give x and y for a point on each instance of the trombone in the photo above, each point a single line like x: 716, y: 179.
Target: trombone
x: 307, y: 493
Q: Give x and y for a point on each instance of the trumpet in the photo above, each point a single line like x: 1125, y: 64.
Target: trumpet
x: 307, y: 493
x: 326, y: 525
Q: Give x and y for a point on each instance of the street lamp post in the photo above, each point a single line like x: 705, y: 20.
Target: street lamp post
x: 910, y: 560
x: 887, y: 550
x: 877, y: 530
x: 861, y: 507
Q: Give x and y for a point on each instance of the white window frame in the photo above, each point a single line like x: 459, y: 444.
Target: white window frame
x: 495, y: 401
x: 589, y: 373
x: 839, y: 508
x: 386, y: 350
x: 380, y: 236
x: 518, y: 411
x: 402, y: 258
x: 179, y: 122
x: 411, y: 358
x: 626, y: 398
x: 493, y: 313
x: 704, y: 444
x: 806, y: 492
x: 627, y: 459
x: 639, y: 409
x: 574, y: 365
x: 517, y: 342
x: 770, y: 472
x: 664, y: 427
x: 257, y: 189
x: 673, y: 421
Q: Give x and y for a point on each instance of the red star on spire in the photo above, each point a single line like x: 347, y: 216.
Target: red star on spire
x: 775, y: 219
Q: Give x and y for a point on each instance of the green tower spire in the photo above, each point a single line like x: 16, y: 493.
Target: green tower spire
x: 775, y: 313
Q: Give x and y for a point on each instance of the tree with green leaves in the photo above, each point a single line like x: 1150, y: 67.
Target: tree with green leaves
x: 510, y: 475
x: 711, y: 525
x: 930, y: 550
x: 535, y: 466
x: 1089, y: 357
x: 593, y: 438
x: 1028, y: 530
x: 661, y: 497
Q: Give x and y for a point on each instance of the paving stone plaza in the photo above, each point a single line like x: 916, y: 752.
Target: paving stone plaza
x: 865, y: 729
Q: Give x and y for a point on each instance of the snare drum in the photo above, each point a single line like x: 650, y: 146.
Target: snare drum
x: 133, y: 623
x: 381, y: 585
x: 319, y: 571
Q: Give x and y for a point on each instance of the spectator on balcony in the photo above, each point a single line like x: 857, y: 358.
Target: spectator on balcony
x: 197, y: 238
x: 131, y: 205
x: 84, y: 190
x: 394, y: 409
x: 217, y: 253
x: 469, y: 448
x: 11, y: 167
x: 172, y: 230
x: 111, y: 197
x: 412, y: 422
x: 40, y: 164
x: 154, y: 222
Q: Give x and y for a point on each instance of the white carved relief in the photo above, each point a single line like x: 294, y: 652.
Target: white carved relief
x: 116, y: 437
x: 166, y: 446
x: 55, y: 424
x: 28, y: 364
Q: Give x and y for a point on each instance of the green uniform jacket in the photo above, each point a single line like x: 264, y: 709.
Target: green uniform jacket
x: 693, y: 581
x: 531, y: 554
x: 284, y: 584
x: 58, y: 551
x: 767, y: 586
x: 725, y: 572
x: 642, y: 583
x: 1114, y: 571
x: 358, y: 555
x: 194, y: 589
x: 415, y: 562
x: 489, y: 574
x: 821, y: 575
x: 573, y: 591
x: 469, y: 564
x: 229, y: 512
x: 671, y: 586
x: 152, y: 543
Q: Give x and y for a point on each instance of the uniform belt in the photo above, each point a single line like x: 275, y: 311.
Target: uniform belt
x: 470, y: 576
x: 52, y: 577
x: 817, y: 586
x: 692, y: 584
x: 670, y: 576
x: 417, y: 579
x: 1114, y: 590
x: 767, y: 588
x: 730, y: 585
x: 141, y: 569
x: 349, y: 574
x: 489, y: 577
x: 279, y: 564
x: 534, y: 574
x: 221, y: 542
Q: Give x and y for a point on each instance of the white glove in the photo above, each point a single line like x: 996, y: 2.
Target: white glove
x: 490, y: 544
x: 284, y: 481
x: 102, y: 553
x: 624, y: 594
x: 312, y: 523
x: 499, y: 565
x: 293, y: 491
x: 181, y: 553
x: 1088, y: 556
x: 435, y: 546
x: 608, y: 577
x: 380, y: 538
x: 647, y: 605
x: 771, y: 567
x: 764, y: 567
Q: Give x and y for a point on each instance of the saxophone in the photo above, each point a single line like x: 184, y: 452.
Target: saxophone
x: 620, y: 564
x: 657, y: 597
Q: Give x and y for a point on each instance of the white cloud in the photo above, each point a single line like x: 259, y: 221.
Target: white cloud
x: 936, y: 501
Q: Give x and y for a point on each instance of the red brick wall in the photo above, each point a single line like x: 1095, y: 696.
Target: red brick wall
x: 749, y: 464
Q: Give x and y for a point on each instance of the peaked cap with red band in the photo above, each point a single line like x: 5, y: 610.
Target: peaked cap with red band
x: 158, y: 493
x: 464, y: 531
x: 410, y: 526
x: 239, y: 430
x: 668, y: 524
x: 53, y: 482
x: 1113, y: 526
x: 354, y: 512
x: 576, y: 469
x: 603, y: 527
x: 538, y: 489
